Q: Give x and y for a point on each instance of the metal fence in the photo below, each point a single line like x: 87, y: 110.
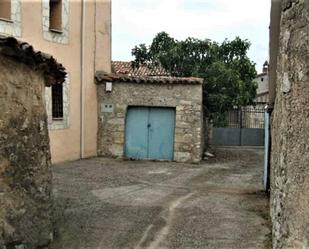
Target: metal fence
x: 242, y: 117
x: 242, y: 126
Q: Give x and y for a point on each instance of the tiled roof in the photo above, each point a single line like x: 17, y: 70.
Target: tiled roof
x: 124, y: 67
x: 103, y: 77
x: 124, y: 72
x: 54, y: 72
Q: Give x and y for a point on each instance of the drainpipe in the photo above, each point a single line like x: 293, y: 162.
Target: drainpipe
x: 82, y: 88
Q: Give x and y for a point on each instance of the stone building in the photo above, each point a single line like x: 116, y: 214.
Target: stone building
x: 262, y: 90
x: 25, y: 166
x: 77, y: 33
x: 289, y: 95
x: 148, y: 117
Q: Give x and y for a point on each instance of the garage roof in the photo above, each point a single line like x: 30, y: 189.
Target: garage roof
x: 125, y: 67
x: 111, y: 77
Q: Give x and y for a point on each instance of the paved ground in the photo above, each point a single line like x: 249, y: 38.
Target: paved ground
x: 132, y: 204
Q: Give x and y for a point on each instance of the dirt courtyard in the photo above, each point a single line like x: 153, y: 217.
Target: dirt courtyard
x: 108, y: 203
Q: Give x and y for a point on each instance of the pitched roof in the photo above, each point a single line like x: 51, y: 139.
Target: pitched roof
x: 54, y: 72
x: 122, y: 71
x: 103, y: 77
x: 125, y: 67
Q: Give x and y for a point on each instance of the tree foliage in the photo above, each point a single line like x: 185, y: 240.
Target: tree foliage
x: 226, y: 68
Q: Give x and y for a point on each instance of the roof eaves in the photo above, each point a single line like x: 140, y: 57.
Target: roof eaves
x: 101, y: 77
x: 54, y: 72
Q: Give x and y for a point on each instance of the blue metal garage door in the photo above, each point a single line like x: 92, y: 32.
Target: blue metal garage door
x: 150, y: 133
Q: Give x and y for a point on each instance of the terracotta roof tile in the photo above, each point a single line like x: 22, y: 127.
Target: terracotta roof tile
x: 124, y: 67
x: 103, y: 77
x: 122, y: 71
x: 54, y: 72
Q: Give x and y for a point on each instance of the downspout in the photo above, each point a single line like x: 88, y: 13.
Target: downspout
x: 82, y: 88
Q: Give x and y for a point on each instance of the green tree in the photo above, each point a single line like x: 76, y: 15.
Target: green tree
x: 226, y: 68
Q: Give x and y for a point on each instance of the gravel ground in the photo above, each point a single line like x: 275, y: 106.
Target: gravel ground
x: 108, y: 203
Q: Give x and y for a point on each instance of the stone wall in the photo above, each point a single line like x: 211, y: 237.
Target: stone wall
x: 186, y: 98
x: 25, y: 175
x: 290, y: 131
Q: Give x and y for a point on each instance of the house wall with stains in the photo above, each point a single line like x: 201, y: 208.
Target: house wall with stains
x: 290, y: 130
x: 25, y: 166
x: 74, y: 136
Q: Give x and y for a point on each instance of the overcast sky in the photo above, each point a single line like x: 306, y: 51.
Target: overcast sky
x: 138, y: 21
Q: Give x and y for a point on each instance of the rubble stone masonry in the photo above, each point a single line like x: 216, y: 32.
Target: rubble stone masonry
x: 290, y: 131
x: 186, y: 98
x: 25, y: 173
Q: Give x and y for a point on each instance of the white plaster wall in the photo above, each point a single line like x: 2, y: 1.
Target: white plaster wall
x: 262, y: 84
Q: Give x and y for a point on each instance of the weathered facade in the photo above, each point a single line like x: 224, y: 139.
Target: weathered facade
x: 185, y: 95
x: 290, y: 125
x: 77, y: 33
x: 25, y: 166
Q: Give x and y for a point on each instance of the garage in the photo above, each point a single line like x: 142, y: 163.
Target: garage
x: 149, y: 133
x: 150, y: 117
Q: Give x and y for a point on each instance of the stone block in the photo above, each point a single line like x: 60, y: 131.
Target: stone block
x: 185, y: 102
x: 116, y: 150
x: 116, y: 121
x: 183, y: 124
x: 179, y: 108
x: 118, y: 137
x: 179, y: 138
x: 182, y: 156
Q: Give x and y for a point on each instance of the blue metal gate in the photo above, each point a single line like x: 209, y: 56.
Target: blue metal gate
x: 150, y: 133
x: 242, y: 126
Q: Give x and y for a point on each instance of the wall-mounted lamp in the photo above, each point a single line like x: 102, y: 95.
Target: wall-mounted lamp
x: 108, y: 86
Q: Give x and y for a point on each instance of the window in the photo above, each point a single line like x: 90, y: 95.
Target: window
x: 57, y: 101
x: 55, y: 20
x: 10, y: 17
x: 55, y: 15
x: 5, y: 9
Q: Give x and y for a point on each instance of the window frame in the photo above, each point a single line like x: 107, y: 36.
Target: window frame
x: 56, y: 35
x: 13, y: 26
x: 7, y: 17
x: 55, y: 123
